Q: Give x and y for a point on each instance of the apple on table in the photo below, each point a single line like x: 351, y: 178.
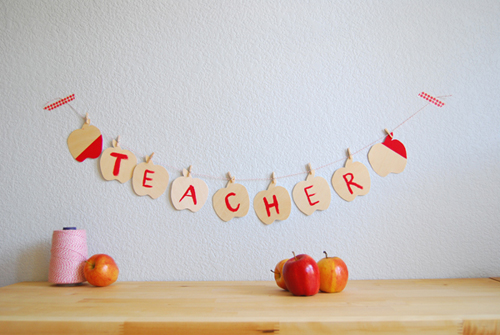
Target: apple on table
x: 301, y: 275
x: 278, y: 274
x: 101, y: 270
x: 333, y: 274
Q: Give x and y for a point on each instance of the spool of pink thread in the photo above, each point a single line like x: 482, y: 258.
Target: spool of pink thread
x: 68, y: 256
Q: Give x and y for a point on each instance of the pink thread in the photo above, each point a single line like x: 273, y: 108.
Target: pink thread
x: 68, y: 256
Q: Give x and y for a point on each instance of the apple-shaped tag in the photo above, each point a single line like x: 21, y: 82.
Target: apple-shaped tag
x: 232, y: 201
x: 351, y: 180
x: 117, y: 163
x: 188, y: 192
x: 388, y: 156
x: 150, y: 179
x: 312, y: 194
x: 85, y: 142
x: 273, y: 204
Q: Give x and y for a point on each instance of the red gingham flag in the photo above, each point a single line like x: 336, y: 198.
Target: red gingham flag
x: 431, y: 99
x: 60, y: 102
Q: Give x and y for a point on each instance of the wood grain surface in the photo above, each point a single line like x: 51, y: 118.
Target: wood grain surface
x: 443, y: 306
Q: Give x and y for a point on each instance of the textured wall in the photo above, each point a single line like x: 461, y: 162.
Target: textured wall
x: 252, y: 88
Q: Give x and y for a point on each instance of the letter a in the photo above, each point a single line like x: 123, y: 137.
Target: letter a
x: 190, y: 192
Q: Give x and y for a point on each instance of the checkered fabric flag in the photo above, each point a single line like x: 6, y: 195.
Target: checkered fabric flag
x: 59, y: 103
x: 431, y: 99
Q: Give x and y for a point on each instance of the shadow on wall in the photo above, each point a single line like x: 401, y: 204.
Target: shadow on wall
x: 33, y: 263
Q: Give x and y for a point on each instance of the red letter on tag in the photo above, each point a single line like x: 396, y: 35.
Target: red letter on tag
x: 119, y: 157
x: 146, y: 178
x: 310, y: 195
x: 350, y: 182
x: 274, y: 204
x: 192, y: 194
x: 228, y: 205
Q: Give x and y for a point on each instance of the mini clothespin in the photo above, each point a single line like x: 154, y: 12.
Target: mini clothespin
x: 230, y: 178
x: 349, y: 155
x: 273, y: 178
x: 310, y: 169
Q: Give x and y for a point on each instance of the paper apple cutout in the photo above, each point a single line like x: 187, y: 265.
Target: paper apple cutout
x: 117, y: 163
x: 388, y: 156
x: 85, y: 142
x: 273, y: 204
x: 351, y: 180
x: 188, y: 192
x: 312, y: 194
x: 232, y: 201
x: 149, y: 179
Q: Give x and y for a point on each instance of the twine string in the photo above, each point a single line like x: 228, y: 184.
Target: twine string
x: 68, y: 256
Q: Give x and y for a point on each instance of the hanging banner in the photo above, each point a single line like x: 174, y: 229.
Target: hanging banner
x: 233, y: 201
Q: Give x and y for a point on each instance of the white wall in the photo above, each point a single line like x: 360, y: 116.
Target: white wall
x: 252, y: 88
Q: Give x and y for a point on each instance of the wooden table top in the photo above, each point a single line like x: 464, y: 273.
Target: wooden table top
x: 441, y: 306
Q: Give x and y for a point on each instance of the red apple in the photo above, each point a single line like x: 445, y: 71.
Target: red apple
x: 101, y: 270
x: 278, y: 274
x: 301, y: 275
x: 333, y: 273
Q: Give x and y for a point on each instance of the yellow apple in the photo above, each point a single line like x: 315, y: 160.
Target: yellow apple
x: 333, y: 274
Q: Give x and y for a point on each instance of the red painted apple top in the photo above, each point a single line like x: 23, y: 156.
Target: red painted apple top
x: 395, y: 145
x: 388, y: 156
x: 85, y: 142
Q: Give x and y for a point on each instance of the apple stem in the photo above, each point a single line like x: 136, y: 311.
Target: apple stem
x: 326, y: 255
x: 272, y: 271
x: 293, y: 252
